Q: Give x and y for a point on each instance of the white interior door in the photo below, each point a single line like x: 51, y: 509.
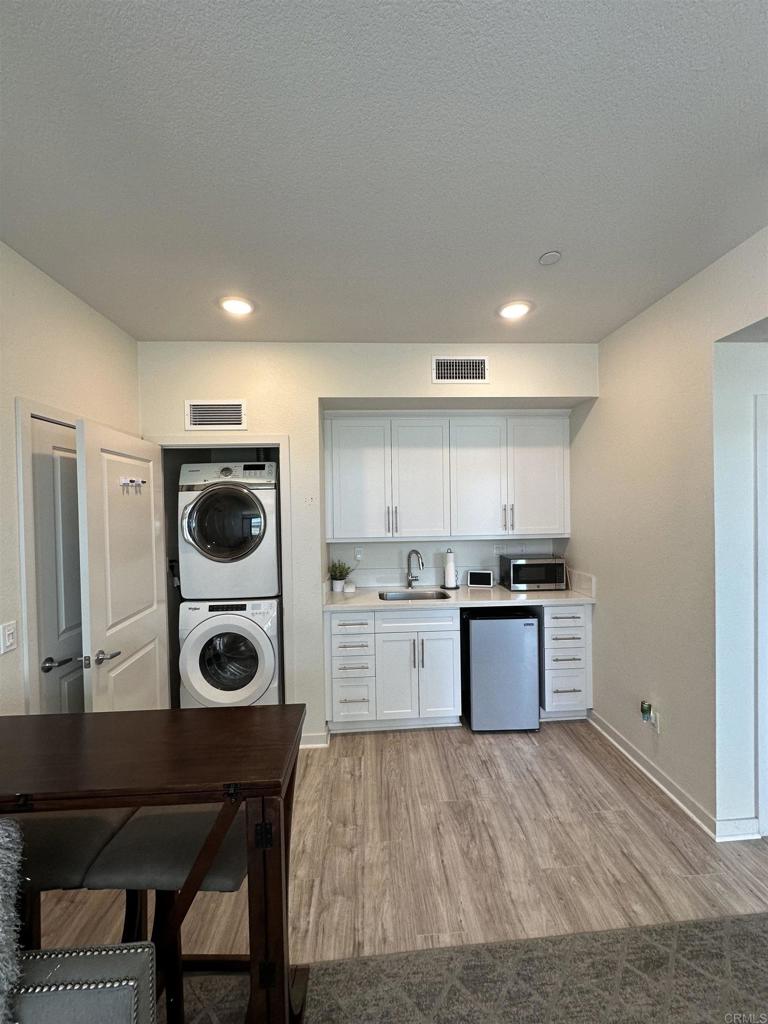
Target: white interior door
x: 56, y: 674
x: 125, y: 627
x: 479, y: 476
x: 421, y: 494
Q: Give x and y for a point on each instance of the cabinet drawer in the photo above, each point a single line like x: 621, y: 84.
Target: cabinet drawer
x: 565, y: 690
x: 563, y: 636
x: 345, y: 668
x: 345, y: 646
x: 413, y: 621
x: 353, y: 700
x: 351, y: 622
x: 562, y: 658
x: 566, y: 616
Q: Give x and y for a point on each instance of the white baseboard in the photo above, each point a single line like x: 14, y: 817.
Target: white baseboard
x: 395, y: 725
x: 684, y: 800
x: 732, y: 830
x: 314, y: 739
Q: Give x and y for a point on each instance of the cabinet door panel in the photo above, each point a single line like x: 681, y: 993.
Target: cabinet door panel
x: 397, y: 675
x: 361, y: 477
x: 538, y: 475
x: 420, y: 472
x: 478, y: 476
x: 439, y: 687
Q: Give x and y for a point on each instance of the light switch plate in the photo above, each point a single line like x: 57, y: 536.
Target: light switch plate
x: 8, y: 637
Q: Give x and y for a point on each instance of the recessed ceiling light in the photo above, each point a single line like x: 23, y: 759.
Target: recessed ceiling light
x: 237, y: 306
x: 547, y: 259
x: 515, y: 310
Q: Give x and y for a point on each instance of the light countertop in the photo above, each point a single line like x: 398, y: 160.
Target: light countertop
x: 368, y: 598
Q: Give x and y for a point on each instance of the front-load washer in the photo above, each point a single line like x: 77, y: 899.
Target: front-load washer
x: 228, y: 530
x: 230, y: 653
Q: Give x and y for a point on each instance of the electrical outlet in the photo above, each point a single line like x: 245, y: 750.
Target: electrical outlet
x: 358, y: 554
x: 7, y: 637
x: 656, y: 722
x: 498, y: 549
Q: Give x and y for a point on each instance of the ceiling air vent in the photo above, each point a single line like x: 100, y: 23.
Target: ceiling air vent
x: 214, y: 415
x: 473, y: 370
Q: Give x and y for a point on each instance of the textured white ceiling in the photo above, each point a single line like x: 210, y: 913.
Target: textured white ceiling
x: 380, y: 171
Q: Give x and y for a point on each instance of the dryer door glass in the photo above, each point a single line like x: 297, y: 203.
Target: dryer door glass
x: 226, y: 522
x: 229, y: 661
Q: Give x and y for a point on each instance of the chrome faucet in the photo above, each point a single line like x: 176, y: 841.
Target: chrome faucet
x: 411, y: 578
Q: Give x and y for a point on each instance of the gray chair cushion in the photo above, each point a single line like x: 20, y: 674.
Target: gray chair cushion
x: 115, y: 985
x: 158, y: 846
x: 60, y: 846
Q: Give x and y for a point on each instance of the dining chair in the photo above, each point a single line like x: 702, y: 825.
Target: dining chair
x: 156, y: 850
x: 58, y: 849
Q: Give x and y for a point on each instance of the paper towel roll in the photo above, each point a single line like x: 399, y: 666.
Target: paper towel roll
x: 451, y: 579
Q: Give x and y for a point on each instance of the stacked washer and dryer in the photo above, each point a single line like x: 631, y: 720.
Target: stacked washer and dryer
x: 229, y: 570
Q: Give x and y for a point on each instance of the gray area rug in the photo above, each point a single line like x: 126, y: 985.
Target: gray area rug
x: 691, y: 973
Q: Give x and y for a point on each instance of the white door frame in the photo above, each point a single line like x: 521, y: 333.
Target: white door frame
x: 26, y: 411
x: 761, y: 608
x: 222, y: 439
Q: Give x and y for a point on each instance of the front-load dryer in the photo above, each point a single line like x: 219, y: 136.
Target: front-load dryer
x: 230, y: 653
x: 228, y: 530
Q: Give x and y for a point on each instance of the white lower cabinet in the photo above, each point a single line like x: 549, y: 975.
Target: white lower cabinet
x: 567, y: 661
x: 409, y: 670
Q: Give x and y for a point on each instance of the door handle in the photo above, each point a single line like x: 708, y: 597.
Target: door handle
x: 397, y: 528
x: 504, y: 517
x: 511, y: 517
x: 389, y: 519
x: 49, y: 664
x: 102, y: 656
x: 185, y: 526
x: 414, y: 653
x: 422, y: 654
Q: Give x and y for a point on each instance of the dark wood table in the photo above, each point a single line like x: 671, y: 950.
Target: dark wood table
x: 229, y: 756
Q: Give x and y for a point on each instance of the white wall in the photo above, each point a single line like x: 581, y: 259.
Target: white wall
x: 643, y: 523
x: 284, y: 384
x: 58, y: 351
x: 741, y: 373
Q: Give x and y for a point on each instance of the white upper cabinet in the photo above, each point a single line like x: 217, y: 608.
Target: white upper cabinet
x: 361, y: 477
x: 421, y: 500
x: 460, y: 476
x: 479, y: 476
x: 538, y: 496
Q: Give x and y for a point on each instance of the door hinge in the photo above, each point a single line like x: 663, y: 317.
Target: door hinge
x: 232, y: 791
x: 263, y: 835
x: 267, y: 974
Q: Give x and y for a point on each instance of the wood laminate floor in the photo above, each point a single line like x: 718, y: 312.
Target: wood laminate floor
x: 406, y: 840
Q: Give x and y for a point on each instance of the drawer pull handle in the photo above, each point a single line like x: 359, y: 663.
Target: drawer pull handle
x: 574, y: 690
x: 566, y: 659
x: 363, y: 623
x: 352, y: 668
x: 347, y: 647
x: 356, y: 700
x: 576, y: 637
x: 565, y: 617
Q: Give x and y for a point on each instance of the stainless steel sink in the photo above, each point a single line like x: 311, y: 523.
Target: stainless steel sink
x: 413, y: 595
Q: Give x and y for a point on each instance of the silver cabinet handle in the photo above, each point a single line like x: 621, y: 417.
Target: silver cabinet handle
x: 422, y: 654
x: 352, y: 668
x: 414, y: 653
x: 575, y: 637
x: 49, y: 664
x: 363, y: 623
x: 566, y: 659
x: 102, y: 656
x: 573, y: 690
x: 559, y: 617
x: 389, y: 520
x: 504, y: 517
x: 511, y: 517
x: 356, y: 700
x: 347, y: 647
x: 397, y: 527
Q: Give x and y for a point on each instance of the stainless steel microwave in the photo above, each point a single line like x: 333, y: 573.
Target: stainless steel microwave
x: 532, y: 573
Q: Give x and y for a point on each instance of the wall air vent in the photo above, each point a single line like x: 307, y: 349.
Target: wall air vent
x: 229, y: 415
x: 451, y: 370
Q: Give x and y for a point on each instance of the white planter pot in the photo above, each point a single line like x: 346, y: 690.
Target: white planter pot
x: 337, y: 586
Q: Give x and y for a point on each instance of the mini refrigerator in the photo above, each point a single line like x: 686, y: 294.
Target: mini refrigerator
x: 500, y: 668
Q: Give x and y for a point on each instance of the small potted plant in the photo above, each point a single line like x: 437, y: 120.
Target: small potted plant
x: 338, y: 572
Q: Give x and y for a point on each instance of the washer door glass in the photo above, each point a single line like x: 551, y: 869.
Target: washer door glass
x: 229, y: 661
x: 226, y: 522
